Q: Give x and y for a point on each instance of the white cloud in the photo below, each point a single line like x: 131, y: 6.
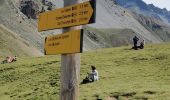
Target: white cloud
x: 159, y: 3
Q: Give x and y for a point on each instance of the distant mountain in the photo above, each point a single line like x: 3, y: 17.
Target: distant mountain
x: 133, y: 3
x: 147, y: 9
x: 154, y: 19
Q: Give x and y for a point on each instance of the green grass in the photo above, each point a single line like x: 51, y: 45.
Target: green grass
x: 127, y: 74
x: 110, y: 37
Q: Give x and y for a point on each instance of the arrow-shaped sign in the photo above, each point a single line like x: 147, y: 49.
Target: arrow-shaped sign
x: 80, y: 14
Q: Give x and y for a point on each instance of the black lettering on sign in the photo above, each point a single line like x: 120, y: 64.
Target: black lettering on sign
x: 83, y: 12
x: 74, y: 14
x: 81, y: 6
x: 73, y: 20
x: 62, y: 11
x: 65, y: 36
x: 68, y: 9
x: 74, y: 8
x: 83, y: 19
x: 66, y: 16
x: 65, y: 22
x: 58, y: 18
x: 84, y: 6
x: 54, y: 44
x: 54, y: 38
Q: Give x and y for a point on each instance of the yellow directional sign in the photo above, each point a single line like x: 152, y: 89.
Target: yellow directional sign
x: 70, y: 42
x: 79, y: 14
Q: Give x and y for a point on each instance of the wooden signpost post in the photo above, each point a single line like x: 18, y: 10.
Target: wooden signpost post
x: 70, y: 43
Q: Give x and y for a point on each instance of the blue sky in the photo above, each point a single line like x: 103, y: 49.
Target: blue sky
x: 159, y: 3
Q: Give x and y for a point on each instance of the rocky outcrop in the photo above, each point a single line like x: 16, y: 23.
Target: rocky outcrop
x: 29, y: 8
x: 155, y: 26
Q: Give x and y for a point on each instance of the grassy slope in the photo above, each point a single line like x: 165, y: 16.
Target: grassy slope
x: 12, y: 44
x: 121, y: 70
x: 110, y: 37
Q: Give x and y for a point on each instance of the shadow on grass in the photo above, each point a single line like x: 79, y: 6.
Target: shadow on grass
x: 116, y: 95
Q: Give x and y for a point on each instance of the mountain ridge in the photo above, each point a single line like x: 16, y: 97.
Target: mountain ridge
x: 150, y: 9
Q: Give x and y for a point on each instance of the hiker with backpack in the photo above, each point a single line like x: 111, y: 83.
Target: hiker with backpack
x: 135, y: 42
x: 138, y: 43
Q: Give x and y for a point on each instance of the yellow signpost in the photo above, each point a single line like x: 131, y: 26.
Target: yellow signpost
x: 67, y: 44
x: 79, y: 14
x: 70, y: 42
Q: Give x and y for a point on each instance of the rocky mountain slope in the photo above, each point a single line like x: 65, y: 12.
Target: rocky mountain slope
x: 115, y: 26
x: 146, y: 9
x: 12, y: 18
x: 154, y: 19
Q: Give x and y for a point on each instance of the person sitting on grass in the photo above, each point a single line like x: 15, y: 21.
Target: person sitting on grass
x: 92, y: 76
x: 9, y: 59
x: 142, y: 43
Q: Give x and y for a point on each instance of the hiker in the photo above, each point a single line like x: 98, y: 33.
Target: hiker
x: 10, y: 59
x: 135, y: 42
x: 92, y: 76
x: 142, y: 42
